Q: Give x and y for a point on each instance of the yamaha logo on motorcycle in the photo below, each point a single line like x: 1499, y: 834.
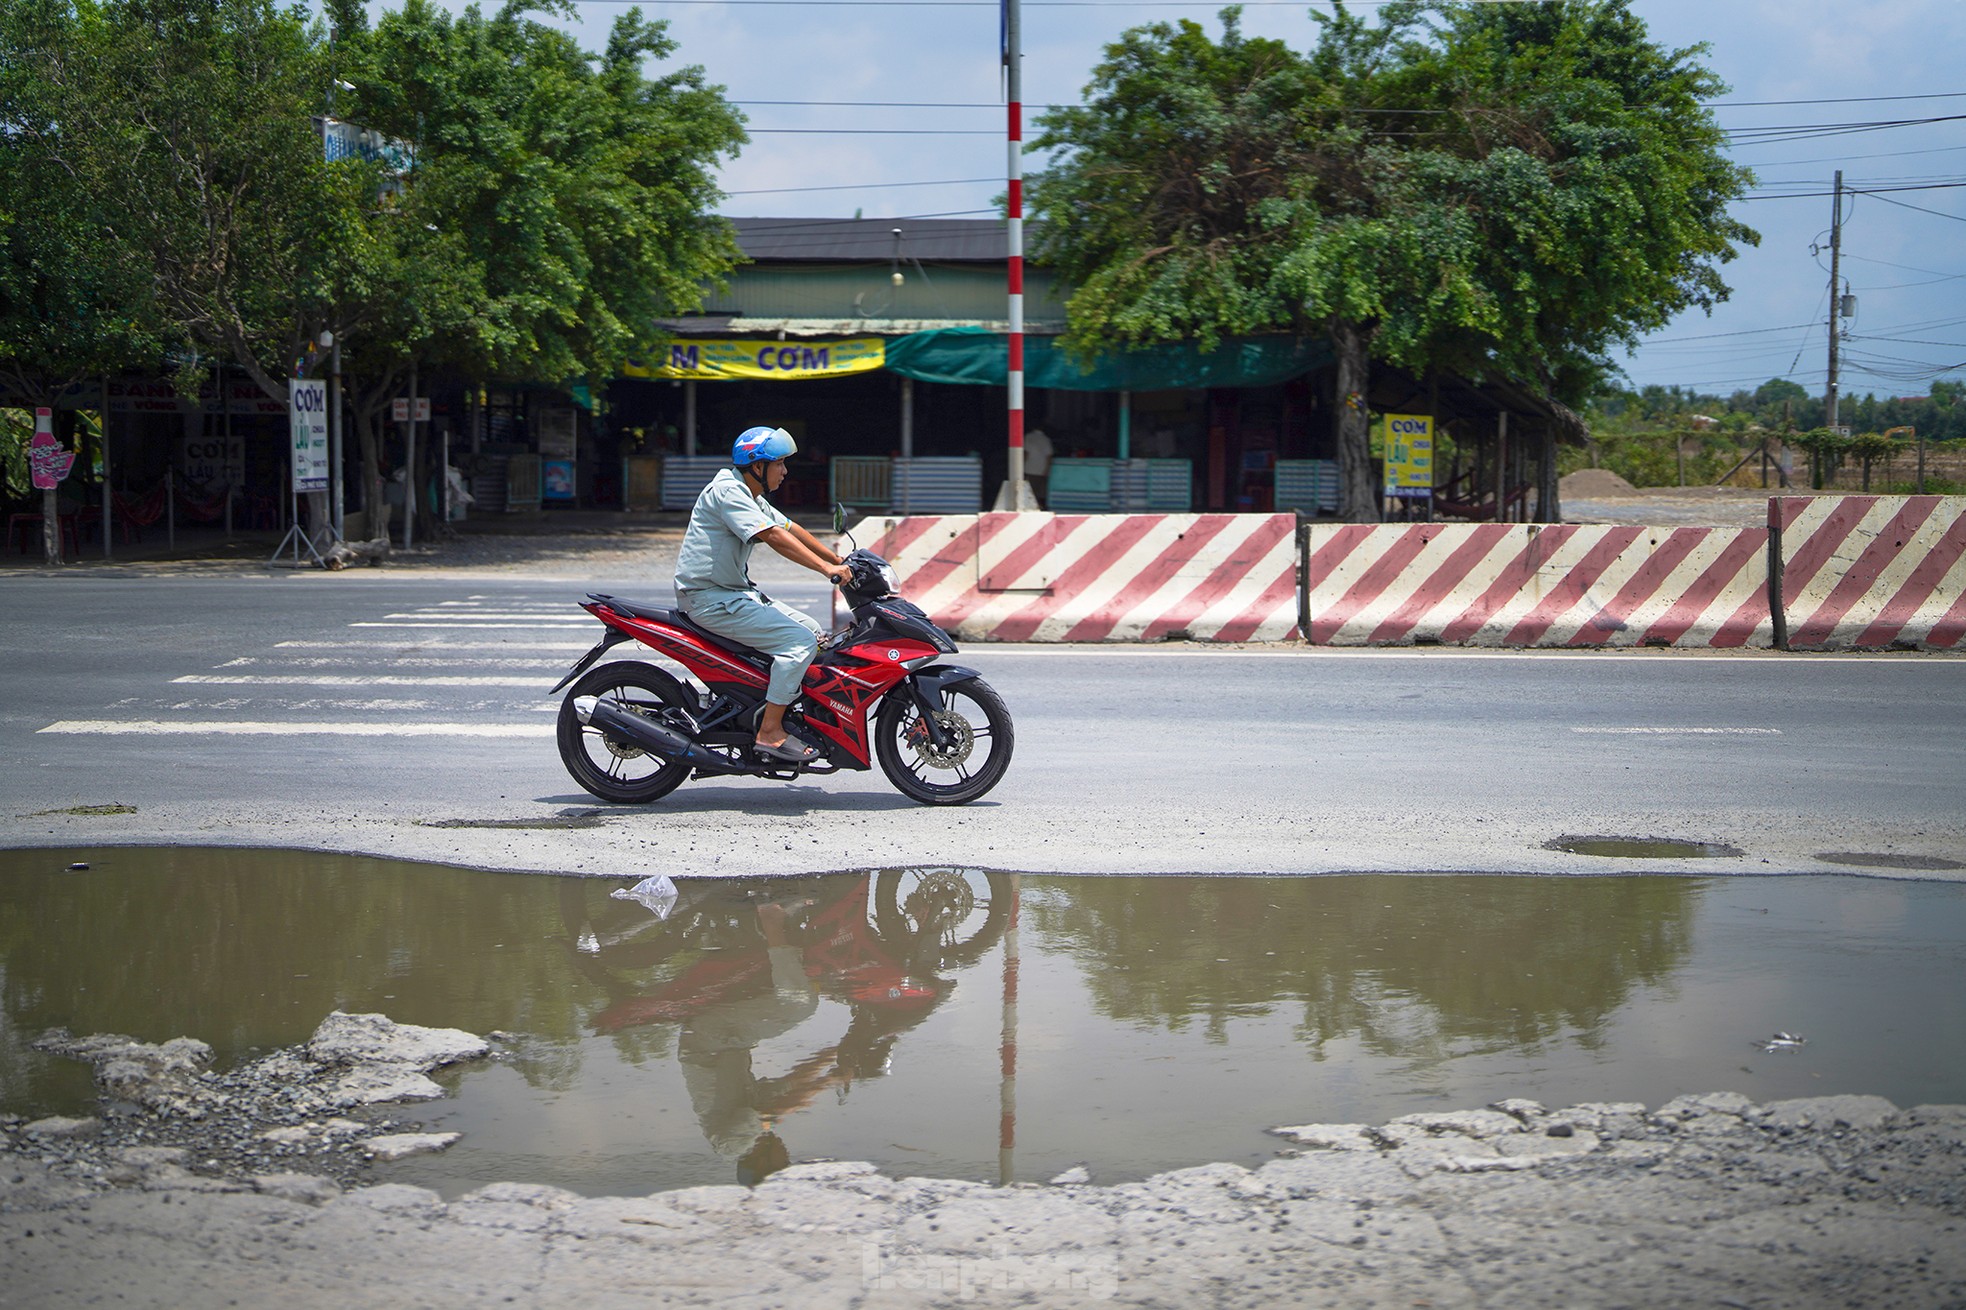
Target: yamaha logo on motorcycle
x: 632, y: 731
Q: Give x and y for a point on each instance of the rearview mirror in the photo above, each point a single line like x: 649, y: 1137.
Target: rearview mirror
x: 839, y: 518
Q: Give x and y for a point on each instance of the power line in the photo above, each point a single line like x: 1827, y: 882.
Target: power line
x: 886, y: 104
x: 1913, y: 341
x: 998, y: 104
x: 1714, y: 336
x: 1877, y: 191
x: 793, y: 233
x: 862, y: 186
x: 1810, y: 131
x: 1845, y: 159
x: 874, y: 131
x: 1908, y: 268
x: 1836, y: 100
x: 1904, y: 286
x: 1920, y: 208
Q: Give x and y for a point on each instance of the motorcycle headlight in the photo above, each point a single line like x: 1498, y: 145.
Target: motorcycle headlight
x: 889, y: 578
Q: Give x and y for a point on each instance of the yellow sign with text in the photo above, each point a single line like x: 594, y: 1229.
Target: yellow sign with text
x: 1409, y: 455
x: 712, y: 360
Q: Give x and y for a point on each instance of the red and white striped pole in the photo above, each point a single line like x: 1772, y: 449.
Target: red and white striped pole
x: 1014, y: 496
x: 1007, y: 1044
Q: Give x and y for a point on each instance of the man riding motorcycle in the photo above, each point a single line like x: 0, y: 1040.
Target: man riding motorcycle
x: 713, y: 579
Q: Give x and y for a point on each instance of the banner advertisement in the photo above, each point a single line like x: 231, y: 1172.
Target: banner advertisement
x: 553, y: 428
x: 309, y: 401
x: 770, y: 361
x: 241, y: 396
x: 213, y: 463
x: 1409, y: 456
x: 558, y: 477
x: 48, y: 460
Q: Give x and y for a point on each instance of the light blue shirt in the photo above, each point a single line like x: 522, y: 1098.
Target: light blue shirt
x: 723, y: 530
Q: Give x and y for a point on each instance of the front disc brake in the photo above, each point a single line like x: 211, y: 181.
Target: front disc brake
x: 961, y: 737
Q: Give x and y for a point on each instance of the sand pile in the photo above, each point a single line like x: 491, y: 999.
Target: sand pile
x: 1589, y: 484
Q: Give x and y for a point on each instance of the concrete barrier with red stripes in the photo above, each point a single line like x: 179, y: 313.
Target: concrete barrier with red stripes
x: 1869, y: 572
x: 1854, y: 572
x: 1096, y: 577
x: 1513, y: 584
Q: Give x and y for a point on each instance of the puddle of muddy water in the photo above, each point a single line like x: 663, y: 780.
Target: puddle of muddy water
x: 908, y: 1016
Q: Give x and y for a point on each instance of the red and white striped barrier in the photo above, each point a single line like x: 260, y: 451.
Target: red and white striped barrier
x: 1507, y: 584
x: 1097, y: 577
x: 1872, y: 571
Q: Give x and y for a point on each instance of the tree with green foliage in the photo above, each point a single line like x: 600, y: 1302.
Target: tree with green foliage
x: 1869, y: 447
x: 1826, y: 448
x: 559, y: 205
x: 71, y: 307
x: 1777, y: 392
x: 1502, y: 190
x: 205, y: 168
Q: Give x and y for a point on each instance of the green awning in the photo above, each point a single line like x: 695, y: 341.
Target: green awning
x: 980, y: 357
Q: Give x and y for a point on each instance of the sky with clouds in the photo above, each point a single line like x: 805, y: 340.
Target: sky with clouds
x: 893, y: 107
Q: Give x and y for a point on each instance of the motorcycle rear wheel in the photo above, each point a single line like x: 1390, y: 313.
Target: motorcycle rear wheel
x: 616, y: 770
x: 978, y: 720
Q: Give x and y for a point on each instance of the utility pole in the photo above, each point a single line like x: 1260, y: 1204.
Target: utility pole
x: 1835, y: 285
x: 1016, y: 493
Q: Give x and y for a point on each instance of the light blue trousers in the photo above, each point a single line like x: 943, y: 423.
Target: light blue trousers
x: 775, y: 629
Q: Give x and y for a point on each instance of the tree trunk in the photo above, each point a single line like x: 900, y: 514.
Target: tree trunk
x: 423, y: 479
x: 372, y: 506
x: 1358, y: 489
x: 1549, y: 506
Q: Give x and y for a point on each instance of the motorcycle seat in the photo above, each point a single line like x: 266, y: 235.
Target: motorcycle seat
x: 675, y: 618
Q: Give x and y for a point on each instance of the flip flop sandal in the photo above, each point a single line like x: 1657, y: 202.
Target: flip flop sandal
x: 791, y: 750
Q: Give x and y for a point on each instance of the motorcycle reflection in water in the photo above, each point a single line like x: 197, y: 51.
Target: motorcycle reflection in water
x: 740, y: 963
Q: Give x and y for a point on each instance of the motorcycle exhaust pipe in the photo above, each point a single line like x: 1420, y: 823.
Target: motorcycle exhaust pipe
x: 652, y: 737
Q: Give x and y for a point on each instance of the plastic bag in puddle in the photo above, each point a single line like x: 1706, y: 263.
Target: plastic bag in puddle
x: 656, y: 894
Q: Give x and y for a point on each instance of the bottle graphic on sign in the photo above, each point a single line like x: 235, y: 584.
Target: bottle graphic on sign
x: 48, y: 462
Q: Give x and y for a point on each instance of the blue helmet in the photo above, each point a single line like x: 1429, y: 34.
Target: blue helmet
x: 761, y: 445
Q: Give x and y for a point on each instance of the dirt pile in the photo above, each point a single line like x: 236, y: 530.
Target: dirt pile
x: 1589, y: 484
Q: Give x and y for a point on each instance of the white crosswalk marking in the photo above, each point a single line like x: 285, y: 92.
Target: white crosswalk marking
x: 159, y: 728
x: 485, y: 616
x: 506, y: 650
x: 436, y: 643
x: 358, y: 680
x: 401, y: 662
x: 1685, y: 731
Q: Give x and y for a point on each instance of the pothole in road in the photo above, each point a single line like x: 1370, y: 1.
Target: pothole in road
x: 1644, y: 848
x: 1887, y: 860
x: 958, y: 1022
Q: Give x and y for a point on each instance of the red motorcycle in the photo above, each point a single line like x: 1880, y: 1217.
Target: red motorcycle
x: 632, y: 732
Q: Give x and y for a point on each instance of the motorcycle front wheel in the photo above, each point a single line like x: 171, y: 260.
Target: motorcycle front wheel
x: 608, y: 767
x: 941, y: 917
x: 977, y: 743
